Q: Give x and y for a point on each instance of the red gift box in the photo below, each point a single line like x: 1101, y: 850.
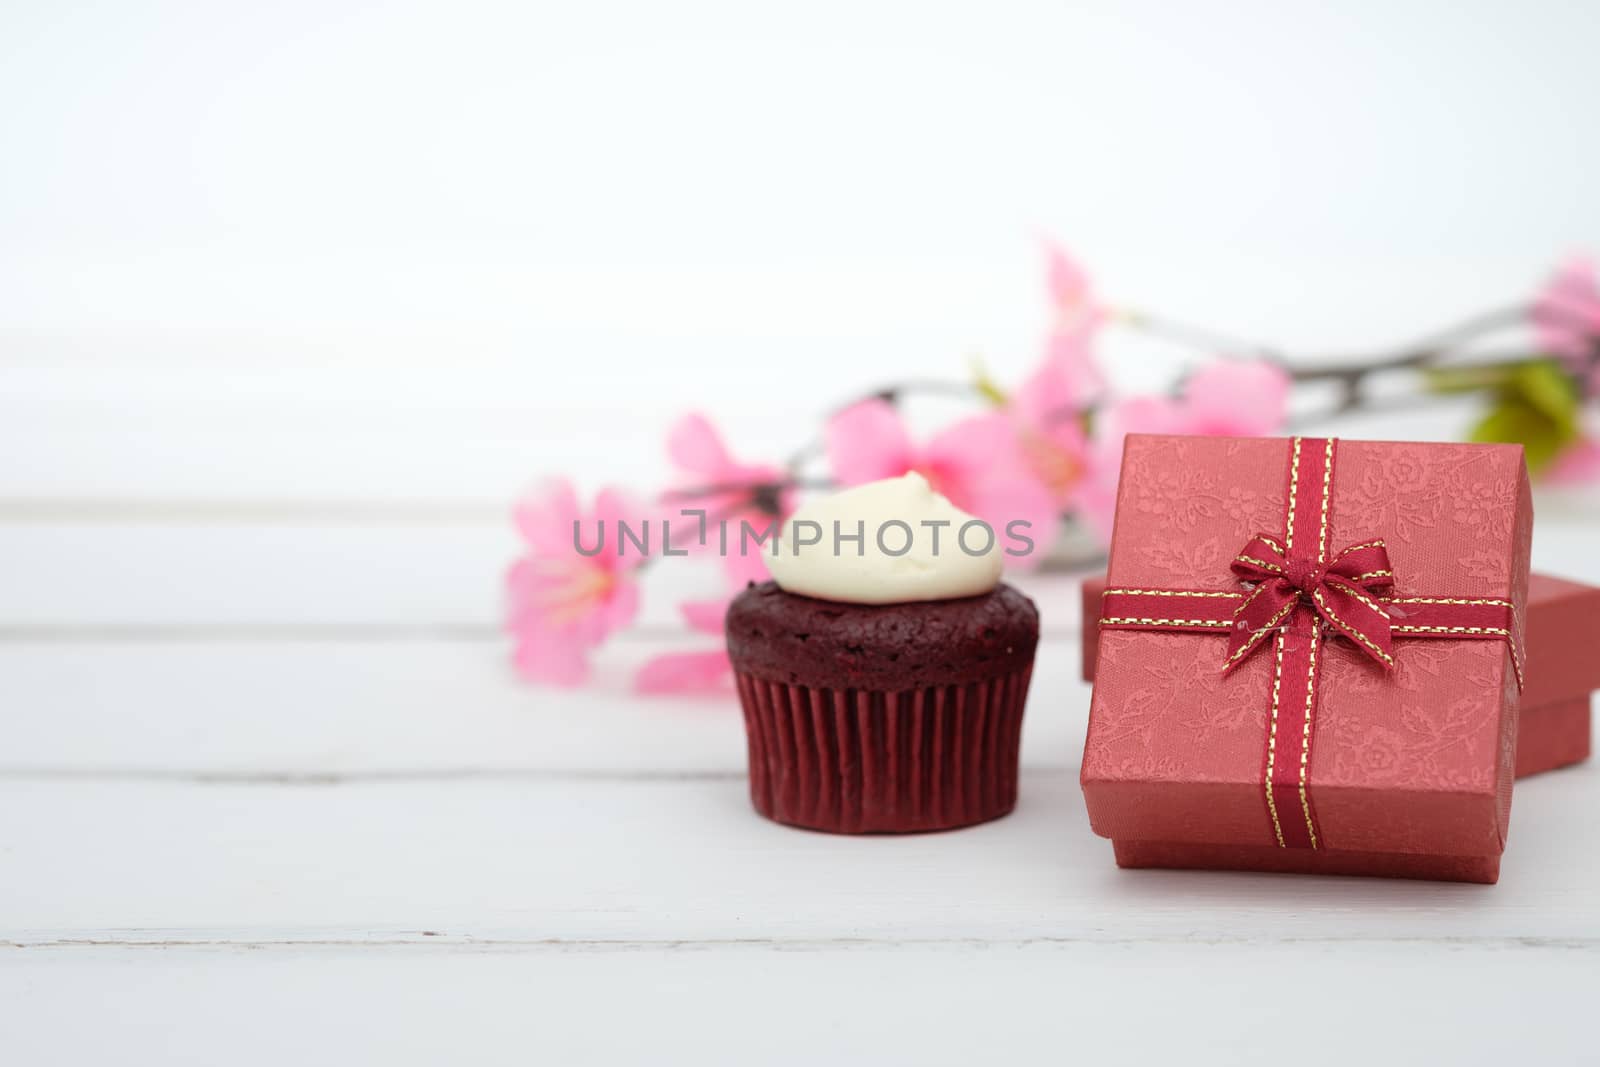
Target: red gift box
x: 1310, y: 656
x: 1563, y: 631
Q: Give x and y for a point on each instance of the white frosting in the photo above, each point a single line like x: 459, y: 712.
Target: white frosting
x: 835, y: 571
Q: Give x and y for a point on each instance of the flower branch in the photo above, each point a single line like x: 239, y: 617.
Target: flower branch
x: 1042, y: 449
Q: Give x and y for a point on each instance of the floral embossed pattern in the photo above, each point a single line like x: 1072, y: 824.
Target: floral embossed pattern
x: 1447, y: 511
x: 1187, y: 497
x: 1170, y: 688
x: 1413, y: 760
x: 1393, y: 493
x: 1413, y: 727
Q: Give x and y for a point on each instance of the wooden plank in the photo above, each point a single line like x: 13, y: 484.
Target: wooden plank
x: 319, y: 708
x: 320, y: 576
x: 686, y: 860
x: 375, y: 574
x: 446, y: 574
x: 462, y: 435
x: 1115, y: 1004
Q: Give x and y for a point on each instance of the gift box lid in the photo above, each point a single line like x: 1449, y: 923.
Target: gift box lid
x: 1416, y: 757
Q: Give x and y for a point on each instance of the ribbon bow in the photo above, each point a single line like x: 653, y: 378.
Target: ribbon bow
x: 1340, y: 593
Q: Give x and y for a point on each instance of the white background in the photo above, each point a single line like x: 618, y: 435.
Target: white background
x: 270, y: 211
x: 295, y: 297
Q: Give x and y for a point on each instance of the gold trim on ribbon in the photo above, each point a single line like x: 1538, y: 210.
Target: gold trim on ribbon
x: 1294, y: 493
x: 1327, y: 489
x: 1305, y: 741
x: 1172, y: 592
x: 1272, y: 740
x: 1209, y: 624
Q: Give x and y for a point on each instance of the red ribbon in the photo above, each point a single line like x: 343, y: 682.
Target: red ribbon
x: 1341, y: 593
x: 1295, y: 595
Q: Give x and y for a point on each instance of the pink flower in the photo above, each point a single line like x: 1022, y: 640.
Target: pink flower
x: 1076, y: 313
x: 690, y: 672
x: 1566, y: 316
x: 1095, y: 502
x: 750, y: 494
x: 1097, y: 499
x: 1225, y: 398
x: 1566, y: 312
x: 1222, y: 399
x: 560, y: 602
x: 1048, y: 409
x: 1236, y: 399
x: 978, y: 463
x: 1577, y: 464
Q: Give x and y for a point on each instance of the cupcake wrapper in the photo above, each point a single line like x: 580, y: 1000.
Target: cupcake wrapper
x: 855, y: 761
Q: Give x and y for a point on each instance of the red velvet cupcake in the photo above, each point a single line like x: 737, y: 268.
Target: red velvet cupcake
x: 883, y: 689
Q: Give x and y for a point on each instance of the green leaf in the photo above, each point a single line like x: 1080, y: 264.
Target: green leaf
x: 1546, y: 385
x: 1536, y: 406
x: 1511, y: 422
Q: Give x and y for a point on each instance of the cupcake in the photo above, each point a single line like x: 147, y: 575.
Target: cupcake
x: 884, y: 672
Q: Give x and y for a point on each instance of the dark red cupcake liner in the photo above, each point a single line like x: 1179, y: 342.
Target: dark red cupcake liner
x: 855, y: 761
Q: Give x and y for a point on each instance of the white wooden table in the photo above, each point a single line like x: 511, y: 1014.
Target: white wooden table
x: 271, y: 794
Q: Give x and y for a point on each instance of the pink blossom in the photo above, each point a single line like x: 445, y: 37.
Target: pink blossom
x: 1566, y: 316
x: 1566, y: 312
x: 1225, y: 398
x: 1577, y: 464
x: 1076, y: 311
x: 1237, y: 399
x: 1222, y: 399
x: 703, y: 460
x: 978, y: 463
x: 690, y: 672
x: 560, y: 602
x: 1095, y: 501
x: 1048, y: 409
x: 1097, y: 498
